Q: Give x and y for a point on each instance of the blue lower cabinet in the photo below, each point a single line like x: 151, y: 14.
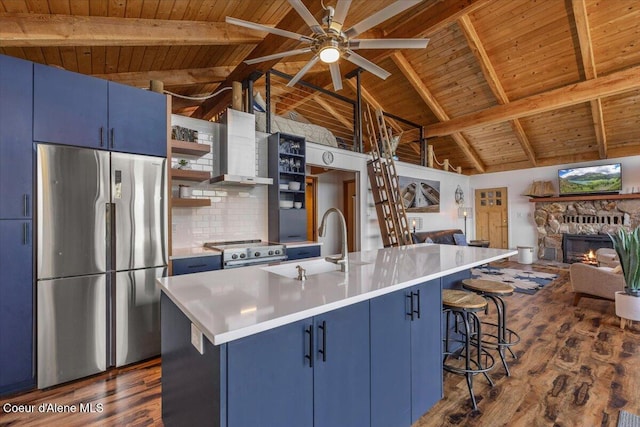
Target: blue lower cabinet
x: 270, y: 382
x: 16, y: 306
x: 196, y: 264
x: 406, y: 373
x: 301, y: 252
x: 342, y: 368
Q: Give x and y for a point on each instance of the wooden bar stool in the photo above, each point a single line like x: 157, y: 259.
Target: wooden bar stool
x: 503, y: 337
x: 464, y: 306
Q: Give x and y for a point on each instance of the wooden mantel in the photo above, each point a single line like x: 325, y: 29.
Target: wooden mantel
x: 584, y: 198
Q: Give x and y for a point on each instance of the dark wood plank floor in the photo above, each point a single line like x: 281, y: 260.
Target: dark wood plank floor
x: 575, y: 367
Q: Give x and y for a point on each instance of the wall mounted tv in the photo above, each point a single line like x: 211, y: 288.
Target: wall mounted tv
x: 590, y: 180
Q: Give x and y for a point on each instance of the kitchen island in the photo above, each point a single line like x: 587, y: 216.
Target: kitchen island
x: 256, y: 346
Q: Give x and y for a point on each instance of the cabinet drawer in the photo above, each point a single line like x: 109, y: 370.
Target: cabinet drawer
x: 303, y: 252
x: 196, y: 264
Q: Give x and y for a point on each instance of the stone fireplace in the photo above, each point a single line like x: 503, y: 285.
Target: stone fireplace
x: 593, y: 216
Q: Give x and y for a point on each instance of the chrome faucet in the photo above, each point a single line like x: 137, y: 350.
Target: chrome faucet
x: 341, y: 260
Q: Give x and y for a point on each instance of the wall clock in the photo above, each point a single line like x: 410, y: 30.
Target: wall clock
x: 327, y: 157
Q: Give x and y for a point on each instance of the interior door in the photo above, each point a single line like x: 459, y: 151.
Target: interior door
x: 349, y: 192
x: 312, y: 209
x: 492, y: 222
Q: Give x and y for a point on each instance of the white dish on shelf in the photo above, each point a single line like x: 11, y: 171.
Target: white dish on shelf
x: 286, y: 204
x: 297, y: 205
x: 294, y: 185
x: 284, y: 186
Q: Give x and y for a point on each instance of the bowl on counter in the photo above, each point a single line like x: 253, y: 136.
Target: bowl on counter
x: 294, y: 185
x: 286, y: 204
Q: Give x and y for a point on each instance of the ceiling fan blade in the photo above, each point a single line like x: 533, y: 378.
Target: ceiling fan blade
x: 342, y: 8
x: 388, y: 44
x: 303, y: 71
x: 366, y: 65
x: 277, y: 55
x: 311, y: 21
x: 260, y: 27
x: 336, y: 78
x: 381, y: 16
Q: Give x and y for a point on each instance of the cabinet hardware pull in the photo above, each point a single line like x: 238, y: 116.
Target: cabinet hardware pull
x: 411, y: 311
x: 310, y: 355
x: 323, y: 351
x: 417, y: 294
x: 26, y: 205
x: 101, y: 136
x: 113, y: 138
x: 196, y: 265
x: 25, y: 233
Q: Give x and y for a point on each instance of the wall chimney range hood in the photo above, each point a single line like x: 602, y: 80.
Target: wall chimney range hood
x: 237, y: 159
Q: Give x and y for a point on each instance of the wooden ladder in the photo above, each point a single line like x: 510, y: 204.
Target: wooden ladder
x: 392, y: 217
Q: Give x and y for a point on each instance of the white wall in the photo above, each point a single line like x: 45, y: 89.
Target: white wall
x: 522, y: 229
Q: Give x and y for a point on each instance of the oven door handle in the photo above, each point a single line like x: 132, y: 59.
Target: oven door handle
x: 245, y: 263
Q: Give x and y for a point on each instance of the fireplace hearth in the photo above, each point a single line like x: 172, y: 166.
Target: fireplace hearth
x: 576, y: 247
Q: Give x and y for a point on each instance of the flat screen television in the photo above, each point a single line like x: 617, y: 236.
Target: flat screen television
x: 590, y: 180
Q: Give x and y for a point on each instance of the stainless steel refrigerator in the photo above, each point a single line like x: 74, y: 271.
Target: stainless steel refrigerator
x: 101, y: 243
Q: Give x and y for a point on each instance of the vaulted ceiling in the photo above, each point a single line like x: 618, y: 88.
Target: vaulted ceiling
x: 502, y: 85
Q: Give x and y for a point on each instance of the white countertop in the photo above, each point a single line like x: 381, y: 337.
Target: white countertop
x: 230, y: 304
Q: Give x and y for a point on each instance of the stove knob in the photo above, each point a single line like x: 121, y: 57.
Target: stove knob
x: 277, y: 251
x: 234, y: 256
x: 257, y: 254
x: 242, y: 255
x: 270, y: 252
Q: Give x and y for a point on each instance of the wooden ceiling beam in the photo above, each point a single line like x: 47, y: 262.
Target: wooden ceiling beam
x: 577, y: 93
x: 190, y: 76
x: 416, y: 82
x: 490, y: 75
x: 37, y: 30
x: 589, y: 65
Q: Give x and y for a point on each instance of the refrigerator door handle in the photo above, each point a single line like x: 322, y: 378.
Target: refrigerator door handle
x: 110, y: 220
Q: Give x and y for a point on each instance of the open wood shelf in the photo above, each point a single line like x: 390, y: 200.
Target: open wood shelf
x: 189, y: 148
x: 190, y: 203
x: 190, y: 175
x: 584, y: 198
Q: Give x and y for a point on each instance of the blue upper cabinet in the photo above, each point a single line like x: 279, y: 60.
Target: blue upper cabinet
x: 16, y: 305
x: 137, y: 120
x: 69, y: 108
x: 16, y: 152
x: 74, y: 109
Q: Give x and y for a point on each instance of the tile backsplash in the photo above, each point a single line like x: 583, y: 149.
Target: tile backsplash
x: 236, y: 213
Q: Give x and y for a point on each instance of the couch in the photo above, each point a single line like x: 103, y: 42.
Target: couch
x: 595, y: 282
x: 443, y: 237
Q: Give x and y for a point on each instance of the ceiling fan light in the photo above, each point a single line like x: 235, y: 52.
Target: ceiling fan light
x: 329, y: 54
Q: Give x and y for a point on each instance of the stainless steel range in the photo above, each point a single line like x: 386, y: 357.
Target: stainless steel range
x: 242, y: 253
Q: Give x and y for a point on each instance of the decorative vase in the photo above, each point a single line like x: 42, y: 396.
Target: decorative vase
x: 627, y: 307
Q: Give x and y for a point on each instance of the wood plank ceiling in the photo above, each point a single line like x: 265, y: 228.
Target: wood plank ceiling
x: 502, y: 85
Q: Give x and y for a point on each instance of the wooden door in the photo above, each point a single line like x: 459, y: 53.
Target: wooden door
x: 492, y: 222
x: 349, y: 203
x: 312, y: 209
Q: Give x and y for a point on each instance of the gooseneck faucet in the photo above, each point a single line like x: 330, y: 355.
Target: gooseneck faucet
x: 341, y: 260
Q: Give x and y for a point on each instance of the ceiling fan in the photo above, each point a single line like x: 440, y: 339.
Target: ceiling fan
x: 330, y: 42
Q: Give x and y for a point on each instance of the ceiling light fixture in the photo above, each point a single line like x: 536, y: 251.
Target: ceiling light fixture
x: 329, y: 54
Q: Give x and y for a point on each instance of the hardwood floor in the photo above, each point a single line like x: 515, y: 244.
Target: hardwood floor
x: 575, y: 367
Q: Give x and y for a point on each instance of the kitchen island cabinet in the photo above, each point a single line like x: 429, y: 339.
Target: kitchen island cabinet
x: 250, y: 321
x: 74, y: 109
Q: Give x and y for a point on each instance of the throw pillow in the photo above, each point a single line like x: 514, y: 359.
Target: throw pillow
x: 259, y: 103
x: 460, y: 239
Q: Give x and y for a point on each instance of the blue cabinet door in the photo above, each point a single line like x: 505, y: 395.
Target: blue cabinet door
x: 270, y: 381
x: 16, y: 306
x: 196, y: 264
x: 69, y: 108
x: 341, y: 379
x: 426, y: 349
x: 303, y: 252
x: 137, y: 121
x: 390, y: 360
x: 16, y: 153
